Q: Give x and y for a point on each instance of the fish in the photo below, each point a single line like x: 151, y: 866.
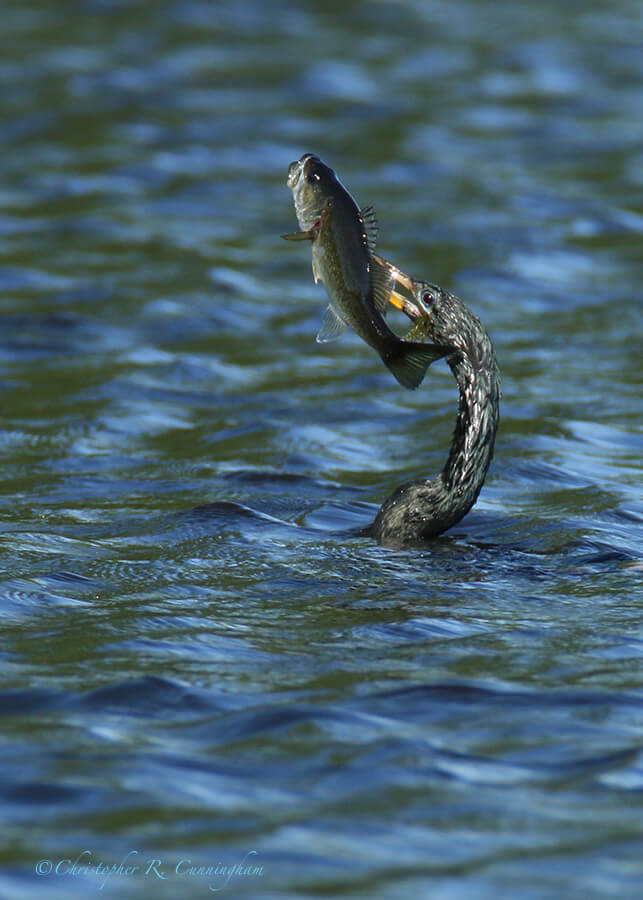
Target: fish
x: 359, y: 285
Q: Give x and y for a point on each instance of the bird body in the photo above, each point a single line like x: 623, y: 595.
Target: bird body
x: 420, y: 510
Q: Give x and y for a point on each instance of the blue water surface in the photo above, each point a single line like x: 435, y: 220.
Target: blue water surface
x: 210, y: 681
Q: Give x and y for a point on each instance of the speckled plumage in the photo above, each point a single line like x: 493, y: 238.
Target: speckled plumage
x: 420, y: 510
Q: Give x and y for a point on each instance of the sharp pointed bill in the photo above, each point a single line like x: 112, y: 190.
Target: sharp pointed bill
x: 359, y: 284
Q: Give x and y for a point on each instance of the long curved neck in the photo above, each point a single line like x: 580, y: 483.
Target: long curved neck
x: 423, y: 509
x: 476, y: 373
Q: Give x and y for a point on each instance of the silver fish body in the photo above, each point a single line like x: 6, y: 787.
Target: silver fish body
x: 358, y: 285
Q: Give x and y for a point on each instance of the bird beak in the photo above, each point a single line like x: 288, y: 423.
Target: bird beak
x: 409, y: 307
x: 402, y: 279
x: 397, y: 300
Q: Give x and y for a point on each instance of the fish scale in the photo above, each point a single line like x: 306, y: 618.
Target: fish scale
x: 357, y: 283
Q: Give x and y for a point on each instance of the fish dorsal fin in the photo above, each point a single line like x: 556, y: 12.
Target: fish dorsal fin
x: 332, y: 327
x: 382, y: 285
x: 369, y: 221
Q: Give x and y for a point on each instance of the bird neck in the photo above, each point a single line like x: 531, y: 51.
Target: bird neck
x: 420, y: 510
x: 476, y: 373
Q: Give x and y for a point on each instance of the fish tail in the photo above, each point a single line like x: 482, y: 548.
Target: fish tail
x: 409, y: 361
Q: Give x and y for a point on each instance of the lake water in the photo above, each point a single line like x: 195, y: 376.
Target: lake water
x: 203, y: 665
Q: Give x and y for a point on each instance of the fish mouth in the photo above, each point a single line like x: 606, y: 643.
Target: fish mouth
x: 297, y: 168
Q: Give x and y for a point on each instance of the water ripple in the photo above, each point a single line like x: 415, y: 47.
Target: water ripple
x: 202, y: 656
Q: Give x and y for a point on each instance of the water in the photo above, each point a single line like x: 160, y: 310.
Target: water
x: 202, y: 662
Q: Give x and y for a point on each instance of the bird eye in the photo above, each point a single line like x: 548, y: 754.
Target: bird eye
x: 427, y: 298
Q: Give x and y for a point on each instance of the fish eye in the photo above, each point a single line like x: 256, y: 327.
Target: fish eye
x: 427, y: 298
x: 312, y: 177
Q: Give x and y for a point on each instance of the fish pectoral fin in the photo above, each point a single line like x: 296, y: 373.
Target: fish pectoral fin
x: 299, y: 235
x: 316, y: 273
x: 369, y: 221
x: 314, y: 230
x: 382, y: 285
x: 332, y: 327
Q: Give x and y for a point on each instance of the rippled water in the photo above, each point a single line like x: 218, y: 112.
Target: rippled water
x: 202, y: 663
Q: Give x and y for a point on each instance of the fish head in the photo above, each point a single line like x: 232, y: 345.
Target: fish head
x: 313, y: 185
